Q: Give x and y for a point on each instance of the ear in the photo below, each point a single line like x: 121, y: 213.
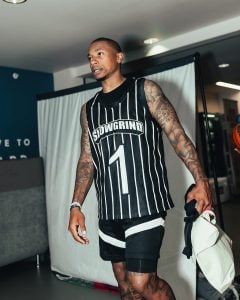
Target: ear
x: 120, y: 57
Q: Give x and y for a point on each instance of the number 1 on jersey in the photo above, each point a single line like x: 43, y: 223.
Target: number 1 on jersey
x: 120, y: 155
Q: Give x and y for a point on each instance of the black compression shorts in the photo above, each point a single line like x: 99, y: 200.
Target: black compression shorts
x: 135, y: 241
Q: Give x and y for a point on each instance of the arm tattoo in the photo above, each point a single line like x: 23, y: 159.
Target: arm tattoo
x: 164, y: 113
x: 85, y: 169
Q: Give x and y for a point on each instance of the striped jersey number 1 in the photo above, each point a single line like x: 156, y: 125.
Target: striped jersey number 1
x: 120, y: 155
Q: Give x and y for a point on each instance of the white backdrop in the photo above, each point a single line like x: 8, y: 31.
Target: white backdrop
x: 59, y: 142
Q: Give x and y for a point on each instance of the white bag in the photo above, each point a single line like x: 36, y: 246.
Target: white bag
x: 213, y: 251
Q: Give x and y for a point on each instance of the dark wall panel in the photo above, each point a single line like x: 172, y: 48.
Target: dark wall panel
x: 18, y: 111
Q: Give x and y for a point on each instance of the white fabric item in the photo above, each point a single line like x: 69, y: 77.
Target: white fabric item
x: 213, y: 251
x: 59, y: 142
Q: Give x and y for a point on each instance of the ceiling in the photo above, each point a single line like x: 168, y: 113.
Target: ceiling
x: 52, y: 35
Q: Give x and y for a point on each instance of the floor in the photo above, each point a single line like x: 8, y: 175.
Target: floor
x: 24, y: 281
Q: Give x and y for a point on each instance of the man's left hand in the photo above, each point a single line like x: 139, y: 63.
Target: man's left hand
x: 202, y: 194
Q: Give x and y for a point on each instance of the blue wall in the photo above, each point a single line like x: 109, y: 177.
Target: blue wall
x: 18, y: 111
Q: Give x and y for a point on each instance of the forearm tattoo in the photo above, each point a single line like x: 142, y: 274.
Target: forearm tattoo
x: 164, y: 113
x: 83, y: 182
x: 85, y: 169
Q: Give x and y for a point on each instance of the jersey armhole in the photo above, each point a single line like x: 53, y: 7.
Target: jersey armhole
x: 88, y: 106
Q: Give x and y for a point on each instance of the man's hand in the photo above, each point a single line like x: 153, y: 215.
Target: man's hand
x: 77, y: 226
x: 202, y: 194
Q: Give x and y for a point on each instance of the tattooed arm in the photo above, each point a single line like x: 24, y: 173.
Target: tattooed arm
x: 164, y: 113
x: 83, y: 182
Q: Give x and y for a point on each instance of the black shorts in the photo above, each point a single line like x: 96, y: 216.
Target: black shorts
x: 135, y: 241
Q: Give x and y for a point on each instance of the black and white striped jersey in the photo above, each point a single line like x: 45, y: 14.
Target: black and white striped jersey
x: 128, y: 156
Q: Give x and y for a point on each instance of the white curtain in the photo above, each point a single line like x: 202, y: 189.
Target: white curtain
x: 59, y: 142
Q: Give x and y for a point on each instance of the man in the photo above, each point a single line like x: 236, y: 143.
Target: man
x: 122, y: 149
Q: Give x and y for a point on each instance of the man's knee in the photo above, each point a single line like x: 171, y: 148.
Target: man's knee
x: 141, y: 282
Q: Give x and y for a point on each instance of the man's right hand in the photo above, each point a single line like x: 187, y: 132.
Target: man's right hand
x: 77, y: 226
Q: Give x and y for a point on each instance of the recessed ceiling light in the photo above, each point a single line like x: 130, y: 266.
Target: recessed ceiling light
x: 151, y: 41
x: 228, y: 85
x: 223, y: 66
x: 156, y: 49
x: 15, y: 1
